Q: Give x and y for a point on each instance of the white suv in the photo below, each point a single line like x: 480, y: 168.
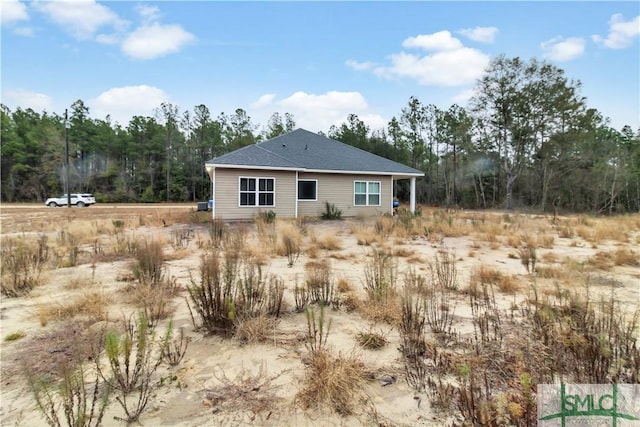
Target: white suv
x: 80, y: 200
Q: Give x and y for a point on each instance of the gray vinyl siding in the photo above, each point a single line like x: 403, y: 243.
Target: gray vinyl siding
x: 226, y: 193
x: 338, y: 189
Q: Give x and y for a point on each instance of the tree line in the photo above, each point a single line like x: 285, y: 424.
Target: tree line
x: 527, y: 139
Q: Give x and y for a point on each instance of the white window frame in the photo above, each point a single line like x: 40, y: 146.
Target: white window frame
x: 367, y: 193
x: 308, y: 200
x: 256, y: 192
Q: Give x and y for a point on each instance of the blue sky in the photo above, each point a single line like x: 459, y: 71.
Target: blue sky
x: 319, y: 61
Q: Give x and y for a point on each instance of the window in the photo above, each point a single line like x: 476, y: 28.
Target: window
x: 366, y: 193
x: 308, y: 189
x: 257, y: 192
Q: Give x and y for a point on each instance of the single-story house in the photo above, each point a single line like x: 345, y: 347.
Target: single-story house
x: 294, y: 175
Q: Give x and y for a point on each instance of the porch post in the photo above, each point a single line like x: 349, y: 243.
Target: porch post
x: 412, y: 195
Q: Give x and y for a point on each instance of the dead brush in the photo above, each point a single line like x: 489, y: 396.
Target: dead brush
x: 92, y: 306
x: 528, y: 258
x: 320, y: 283
x: 332, y: 381
x: 290, y: 242
x: 22, y: 265
x: 247, y: 391
x: 444, y: 270
x: 181, y: 238
x: 371, y: 340
x: 254, y: 329
x: 212, y: 297
x: 488, y: 275
x: 413, y: 345
x: 381, y: 276
x: 149, y: 266
x: 624, y: 256
x: 326, y: 241
x: 154, y: 301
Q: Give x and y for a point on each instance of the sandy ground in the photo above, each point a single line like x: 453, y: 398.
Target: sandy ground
x: 183, y: 399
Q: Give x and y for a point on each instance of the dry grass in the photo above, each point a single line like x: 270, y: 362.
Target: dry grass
x: 327, y: 241
x: 624, y: 256
x: 507, y: 284
x: 332, y: 381
x: 92, y: 306
x: 255, y: 329
x: 388, y: 311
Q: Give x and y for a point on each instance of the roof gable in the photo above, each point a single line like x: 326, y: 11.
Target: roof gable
x: 306, y: 150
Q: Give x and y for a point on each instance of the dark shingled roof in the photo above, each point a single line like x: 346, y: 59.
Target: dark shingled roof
x: 304, y: 150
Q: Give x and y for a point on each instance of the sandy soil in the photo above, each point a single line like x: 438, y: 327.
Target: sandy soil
x: 184, y: 399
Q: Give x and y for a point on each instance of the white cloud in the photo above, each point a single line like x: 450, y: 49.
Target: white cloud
x: 560, y: 49
x: 621, y: 32
x: 450, y: 68
x: 122, y: 103
x: 148, y: 13
x: 317, y: 112
x: 449, y: 62
x: 264, y: 100
x: 12, y: 11
x: 155, y: 40
x: 360, y: 66
x: 24, y: 99
x: 81, y: 18
x: 439, y: 41
x: 24, y: 31
x: 480, y: 34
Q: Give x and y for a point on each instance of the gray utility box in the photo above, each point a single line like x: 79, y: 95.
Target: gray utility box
x: 203, y: 206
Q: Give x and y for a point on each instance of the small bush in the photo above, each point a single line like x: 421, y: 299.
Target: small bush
x: 371, y: 340
x: 149, y: 268
x: 21, y: 267
x: 331, y: 212
x: 320, y: 283
x: 380, y: 274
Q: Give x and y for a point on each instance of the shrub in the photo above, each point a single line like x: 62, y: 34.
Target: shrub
x: 70, y: 401
x: 149, y: 263
x: 331, y: 212
x: 21, y: 266
x: 380, y: 274
x: 320, y: 283
x: 133, y: 357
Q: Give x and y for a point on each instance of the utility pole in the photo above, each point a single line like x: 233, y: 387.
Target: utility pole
x: 67, y: 125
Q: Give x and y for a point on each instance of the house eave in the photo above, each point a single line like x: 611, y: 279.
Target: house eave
x: 397, y: 175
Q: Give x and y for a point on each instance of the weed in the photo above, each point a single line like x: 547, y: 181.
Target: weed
x: 173, y: 350
x: 213, y: 297
x: 320, y: 283
x: 301, y: 296
x: 21, y: 267
x: 217, y: 232
x: 71, y: 401
x: 380, y: 275
x: 528, y: 257
x: 372, y: 340
x: 317, y: 330
x: 413, y: 346
x: 149, y: 263
x: 15, y: 336
x: 133, y: 358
